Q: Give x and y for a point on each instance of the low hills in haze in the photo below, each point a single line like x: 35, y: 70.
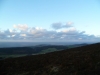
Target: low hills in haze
x: 33, y: 50
x: 83, y: 60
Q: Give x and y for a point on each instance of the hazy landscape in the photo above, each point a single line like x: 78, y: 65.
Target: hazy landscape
x: 25, y: 44
x: 81, y: 60
x: 49, y: 37
x: 18, y: 49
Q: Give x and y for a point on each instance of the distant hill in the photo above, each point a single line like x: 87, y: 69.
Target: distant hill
x: 28, y: 50
x: 33, y: 50
x: 83, y: 60
x: 24, y: 44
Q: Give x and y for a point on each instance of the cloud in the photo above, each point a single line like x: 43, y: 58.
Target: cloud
x: 24, y: 32
x: 59, y: 25
x: 7, y: 34
x: 21, y: 27
x: 70, y: 23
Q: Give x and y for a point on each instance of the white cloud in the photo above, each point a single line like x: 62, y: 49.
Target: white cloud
x: 23, y: 35
x: 21, y: 27
x: 59, y: 25
x: 69, y: 23
x: 23, y: 32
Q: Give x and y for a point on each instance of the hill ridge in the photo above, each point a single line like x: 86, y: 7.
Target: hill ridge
x: 76, y: 61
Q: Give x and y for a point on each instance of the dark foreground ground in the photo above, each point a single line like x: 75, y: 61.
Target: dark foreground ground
x: 76, y: 61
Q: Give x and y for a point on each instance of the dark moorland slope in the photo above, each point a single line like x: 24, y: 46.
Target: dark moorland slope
x: 76, y: 61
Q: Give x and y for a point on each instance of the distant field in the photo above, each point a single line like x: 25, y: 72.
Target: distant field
x: 48, y: 50
x: 20, y: 55
x: 8, y: 56
x: 26, y: 51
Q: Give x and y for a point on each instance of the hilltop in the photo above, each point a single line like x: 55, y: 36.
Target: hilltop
x: 84, y: 60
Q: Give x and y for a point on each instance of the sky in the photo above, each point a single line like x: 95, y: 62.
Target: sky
x: 50, y: 20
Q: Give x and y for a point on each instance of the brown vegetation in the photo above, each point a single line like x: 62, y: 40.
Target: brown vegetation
x: 77, y: 61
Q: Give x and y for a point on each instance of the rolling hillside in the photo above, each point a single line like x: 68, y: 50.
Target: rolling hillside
x: 33, y: 50
x: 83, y: 60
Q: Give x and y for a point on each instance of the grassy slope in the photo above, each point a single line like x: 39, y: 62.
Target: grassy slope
x: 24, y: 51
x: 77, y: 61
